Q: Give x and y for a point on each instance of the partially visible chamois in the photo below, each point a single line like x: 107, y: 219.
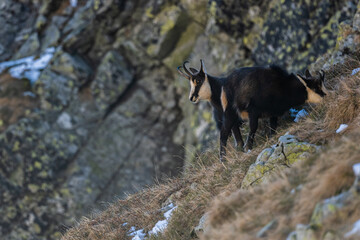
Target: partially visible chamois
x: 206, y: 87
x: 256, y: 92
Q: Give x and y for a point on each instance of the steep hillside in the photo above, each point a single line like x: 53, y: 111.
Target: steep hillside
x: 92, y: 108
x: 301, y: 184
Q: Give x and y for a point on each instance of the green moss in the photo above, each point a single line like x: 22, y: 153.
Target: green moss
x: 212, y: 9
x: 33, y: 188
x: 207, y: 116
x: 11, y: 212
x: 37, y: 165
x: 148, y: 12
x: 37, y: 228
x: 167, y: 26
x: 16, y: 146
x: 43, y: 174
x: 65, y: 192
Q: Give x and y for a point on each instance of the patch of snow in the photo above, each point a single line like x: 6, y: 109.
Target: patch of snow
x: 73, y: 3
x: 137, y: 235
x: 28, y: 67
x: 160, y: 226
x: 341, y: 128
x: 29, y: 94
x: 293, y: 112
x: 355, y: 71
x: 356, y: 168
x: 354, y: 231
x: 302, y: 113
x: 124, y: 224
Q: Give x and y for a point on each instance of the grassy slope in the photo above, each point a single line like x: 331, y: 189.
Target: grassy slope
x: 208, y: 186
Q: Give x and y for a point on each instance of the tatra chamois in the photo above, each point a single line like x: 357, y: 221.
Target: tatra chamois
x: 253, y: 93
x: 266, y: 92
x: 206, y: 87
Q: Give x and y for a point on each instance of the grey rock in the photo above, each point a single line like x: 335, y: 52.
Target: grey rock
x: 29, y: 48
x: 71, y: 66
x: 112, y: 79
x: 52, y: 36
x: 286, y: 152
x: 201, y: 227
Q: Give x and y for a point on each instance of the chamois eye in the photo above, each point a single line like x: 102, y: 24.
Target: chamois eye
x: 198, y: 81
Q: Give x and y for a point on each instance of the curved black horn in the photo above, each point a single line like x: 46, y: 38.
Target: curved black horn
x: 187, y: 70
x: 182, y: 74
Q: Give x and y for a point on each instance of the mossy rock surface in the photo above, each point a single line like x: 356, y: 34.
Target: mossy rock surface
x: 280, y: 156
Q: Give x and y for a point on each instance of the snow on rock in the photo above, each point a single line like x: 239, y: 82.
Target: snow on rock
x: 28, y: 67
x: 137, y: 235
x: 302, y: 113
x: 341, y: 128
x: 73, y: 3
x: 355, y: 231
x: 355, y: 71
x: 160, y: 226
x: 356, y: 168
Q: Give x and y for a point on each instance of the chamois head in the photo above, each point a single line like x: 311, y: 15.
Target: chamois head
x: 199, y: 83
x: 314, y: 85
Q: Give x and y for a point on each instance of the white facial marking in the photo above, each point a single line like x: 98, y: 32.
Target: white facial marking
x: 205, y: 90
x: 192, y: 88
x: 312, y: 97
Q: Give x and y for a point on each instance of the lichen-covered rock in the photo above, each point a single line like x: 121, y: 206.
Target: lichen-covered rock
x: 302, y: 232
x: 112, y: 79
x: 280, y: 156
x: 323, y: 211
x: 16, y: 18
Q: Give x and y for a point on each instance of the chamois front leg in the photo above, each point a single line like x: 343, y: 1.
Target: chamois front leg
x: 273, y: 125
x: 228, y: 123
x: 253, y: 120
x: 239, y: 143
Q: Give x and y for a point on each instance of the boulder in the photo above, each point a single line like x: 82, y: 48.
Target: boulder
x: 280, y: 156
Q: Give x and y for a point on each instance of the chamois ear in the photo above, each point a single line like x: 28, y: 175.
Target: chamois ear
x: 307, y: 73
x: 194, y: 71
x: 322, y: 75
x: 305, y: 79
x: 202, y: 68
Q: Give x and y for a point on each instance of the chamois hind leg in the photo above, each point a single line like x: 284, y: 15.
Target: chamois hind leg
x: 228, y: 123
x: 273, y: 125
x: 239, y: 143
x: 253, y: 120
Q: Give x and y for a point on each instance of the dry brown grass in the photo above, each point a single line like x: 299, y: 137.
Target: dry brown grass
x: 242, y: 214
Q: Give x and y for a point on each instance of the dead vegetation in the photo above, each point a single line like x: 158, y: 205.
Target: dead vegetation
x: 208, y: 186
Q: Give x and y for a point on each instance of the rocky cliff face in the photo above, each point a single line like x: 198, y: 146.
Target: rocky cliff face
x: 108, y: 113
